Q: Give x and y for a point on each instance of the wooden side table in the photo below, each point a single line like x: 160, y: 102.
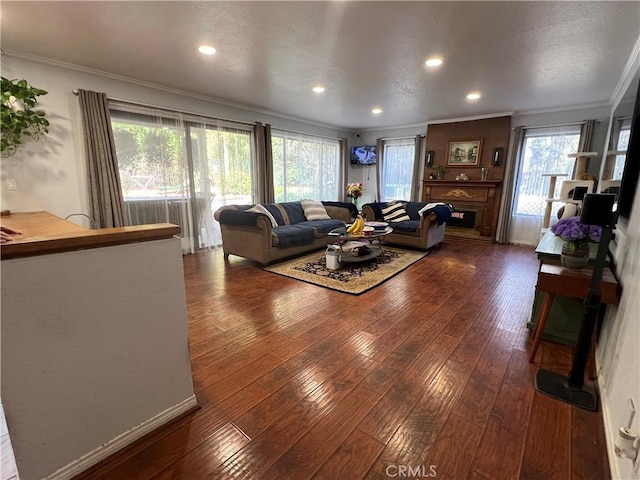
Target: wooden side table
x: 556, y: 280
x: 563, y: 324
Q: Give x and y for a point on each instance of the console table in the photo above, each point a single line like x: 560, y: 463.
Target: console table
x: 556, y: 280
x: 565, y: 313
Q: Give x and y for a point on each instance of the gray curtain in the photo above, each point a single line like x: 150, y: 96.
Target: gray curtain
x: 105, y: 189
x: 380, y: 153
x: 344, y: 169
x: 264, y: 164
x: 509, y: 185
x: 416, y: 180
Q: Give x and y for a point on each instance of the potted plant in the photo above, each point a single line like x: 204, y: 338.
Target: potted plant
x: 439, y: 171
x: 577, y: 236
x: 18, y: 115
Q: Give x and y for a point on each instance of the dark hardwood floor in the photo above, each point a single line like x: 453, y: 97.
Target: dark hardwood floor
x: 424, y: 375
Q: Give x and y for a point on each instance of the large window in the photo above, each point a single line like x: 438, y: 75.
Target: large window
x: 622, y: 144
x: 545, y: 150
x: 305, y: 167
x: 397, y: 169
x: 167, y: 179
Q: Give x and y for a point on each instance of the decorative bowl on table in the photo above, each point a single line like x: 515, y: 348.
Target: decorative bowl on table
x: 367, y: 230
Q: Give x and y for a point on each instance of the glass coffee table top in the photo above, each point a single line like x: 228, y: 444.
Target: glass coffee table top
x: 343, y: 238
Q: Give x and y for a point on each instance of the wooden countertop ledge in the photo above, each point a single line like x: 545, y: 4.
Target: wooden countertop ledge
x: 44, y: 233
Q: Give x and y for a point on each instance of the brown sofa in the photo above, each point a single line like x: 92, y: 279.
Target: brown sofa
x: 251, y: 235
x: 421, y: 231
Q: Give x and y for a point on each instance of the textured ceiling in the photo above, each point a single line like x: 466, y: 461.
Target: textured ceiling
x: 521, y: 55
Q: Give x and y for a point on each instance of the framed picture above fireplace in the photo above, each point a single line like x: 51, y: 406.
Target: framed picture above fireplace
x: 464, y: 153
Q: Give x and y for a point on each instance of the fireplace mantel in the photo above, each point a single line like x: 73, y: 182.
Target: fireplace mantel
x: 476, y: 195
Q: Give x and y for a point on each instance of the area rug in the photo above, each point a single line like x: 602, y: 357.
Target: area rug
x: 353, y: 278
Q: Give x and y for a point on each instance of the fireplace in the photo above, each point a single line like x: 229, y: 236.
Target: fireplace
x: 476, y: 204
x: 467, y: 216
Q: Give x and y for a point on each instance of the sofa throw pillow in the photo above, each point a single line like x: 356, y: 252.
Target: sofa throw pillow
x: 395, y: 212
x: 314, y: 210
x: 258, y: 208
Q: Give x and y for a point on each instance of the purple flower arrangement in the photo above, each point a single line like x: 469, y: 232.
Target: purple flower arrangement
x: 572, y: 231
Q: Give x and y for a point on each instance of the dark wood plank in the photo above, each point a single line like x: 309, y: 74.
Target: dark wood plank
x: 429, y: 368
x: 499, y: 454
x: 587, y: 437
x: 480, y: 392
x: 387, y: 416
x: 308, y: 454
x: 547, y: 453
x: 447, y: 456
x: 412, y: 441
x: 352, y: 459
x: 207, y: 456
x: 268, y: 446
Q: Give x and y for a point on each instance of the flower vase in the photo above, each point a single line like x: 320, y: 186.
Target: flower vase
x: 355, y: 202
x: 575, y: 259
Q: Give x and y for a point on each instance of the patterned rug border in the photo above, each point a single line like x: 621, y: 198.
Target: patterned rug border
x: 356, y: 286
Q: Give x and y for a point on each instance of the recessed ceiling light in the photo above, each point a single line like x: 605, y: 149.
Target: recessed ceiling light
x: 318, y: 89
x: 433, y: 62
x: 207, y: 50
x: 376, y: 111
x: 473, y: 96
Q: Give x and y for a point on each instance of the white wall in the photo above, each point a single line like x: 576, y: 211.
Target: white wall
x: 95, y: 352
x: 51, y: 174
x: 618, y: 352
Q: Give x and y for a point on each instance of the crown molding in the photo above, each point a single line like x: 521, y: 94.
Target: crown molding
x: 470, y: 119
x: 175, y: 91
x: 393, y: 127
x: 628, y: 73
x: 565, y: 108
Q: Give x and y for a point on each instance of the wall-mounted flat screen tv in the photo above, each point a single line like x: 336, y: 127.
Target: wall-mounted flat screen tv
x: 363, y: 155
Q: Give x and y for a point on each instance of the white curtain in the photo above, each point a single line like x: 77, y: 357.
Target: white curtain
x: 221, y: 153
x: 152, y: 158
x: 178, y: 168
x: 397, y: 168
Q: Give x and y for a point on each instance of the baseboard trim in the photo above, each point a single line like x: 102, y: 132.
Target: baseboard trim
x: 606, y: 419
x: 611, y: 454
x: 112, y: 446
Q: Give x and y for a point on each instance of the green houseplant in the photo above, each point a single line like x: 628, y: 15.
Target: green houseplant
x: 19, y: 118
x: 439, y: 169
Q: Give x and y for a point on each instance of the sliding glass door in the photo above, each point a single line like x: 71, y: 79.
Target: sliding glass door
x: 179, y: 169
x: 222, y: 169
